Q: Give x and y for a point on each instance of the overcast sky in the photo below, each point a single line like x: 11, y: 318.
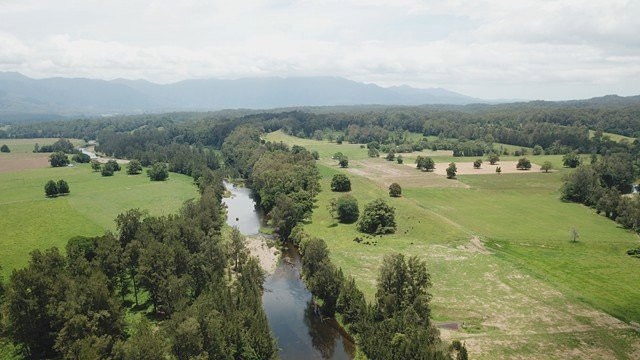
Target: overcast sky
x: 525, y: 49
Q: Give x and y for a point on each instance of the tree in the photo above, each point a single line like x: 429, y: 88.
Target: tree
x: 477, y: 164
x: 523, y: 164
x: 571, y: 160
x: 58, y: 159
x: 395, y: 190
x: 391, y: 156
x: 574, y: 235
x: 425, y: 163
x: 347, y: 209
x: 399, y: 159
x: 113, y: 165
x: 237, y: 248
x: 373, y: 152
x: 344, y: 162
x: 5, y: 149
x: 95, y: 165
x: 158, y: 172
x: 51, y: 188
x: 134, y: 167
x: 81, y: 158
x: 493, y: 158
x: 537, y: 150
x: 63, y: 187
x: 546, y: 166
x: 106, y: 170
x: 378, y: 218
x: 451, y: 171
x: 340, y: 183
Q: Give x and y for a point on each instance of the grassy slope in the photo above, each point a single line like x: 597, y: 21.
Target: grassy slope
x: 529, y: 296
x: 30, y: 221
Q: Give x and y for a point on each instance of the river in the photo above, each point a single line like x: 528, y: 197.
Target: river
x: 300, y: 333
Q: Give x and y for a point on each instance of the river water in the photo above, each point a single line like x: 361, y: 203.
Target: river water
x: 300, y: 333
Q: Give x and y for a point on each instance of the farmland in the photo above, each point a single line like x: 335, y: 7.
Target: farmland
x: 503, y: 266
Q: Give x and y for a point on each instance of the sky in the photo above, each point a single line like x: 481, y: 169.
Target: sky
x: 491, y: 49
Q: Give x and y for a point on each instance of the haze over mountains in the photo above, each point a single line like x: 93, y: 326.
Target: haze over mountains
x: 22, y: 97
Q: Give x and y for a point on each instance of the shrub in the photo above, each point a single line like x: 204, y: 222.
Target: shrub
x: 378, y: 218
x: 81, y: 158
x: 106, y: 170
x: 59, y: 159
x: 51, y: 188
x: 5, y: 149
x: 395, y: 190
x: 451, y: 171
x: 523, y: 164
x: 340, y: 182
x: 546, y: 166
x: 113, y: 165
x: 63, y: 187
x: 344, y: 162
x: 493, y: 159
x: 399, y: 159
x: 158, y: 172
x: 134, y: 167
x: 477, y: 164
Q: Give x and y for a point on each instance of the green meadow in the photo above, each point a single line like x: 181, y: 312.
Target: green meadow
x: 31, y: 221
x: 502, y: 262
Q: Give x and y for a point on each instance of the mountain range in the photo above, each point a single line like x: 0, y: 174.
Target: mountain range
x: 23, y: 98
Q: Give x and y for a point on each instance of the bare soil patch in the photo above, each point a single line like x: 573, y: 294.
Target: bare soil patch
x: 466, y: 168
x: 475, y: 245
x: 387, y: 172
x: 16, y: 162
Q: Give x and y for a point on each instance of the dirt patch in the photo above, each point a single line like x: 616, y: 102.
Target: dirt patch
x: 466, y: 168
x: 386, y: 172
x: 266, y: 255
x: 475, y: 245
x: 16, y: 162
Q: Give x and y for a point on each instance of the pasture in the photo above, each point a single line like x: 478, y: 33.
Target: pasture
x: 502, y: 264
x: 31, y: 221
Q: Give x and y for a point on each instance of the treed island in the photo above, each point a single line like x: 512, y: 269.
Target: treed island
x: 429, y: 232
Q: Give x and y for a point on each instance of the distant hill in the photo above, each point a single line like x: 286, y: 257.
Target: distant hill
x: 22, y: 97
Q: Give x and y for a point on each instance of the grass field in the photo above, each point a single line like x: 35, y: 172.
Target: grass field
x: 501, y: 260
x: 614, y: 137
x: 30, y: 221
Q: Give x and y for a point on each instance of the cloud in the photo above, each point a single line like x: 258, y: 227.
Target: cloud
x: 488, y: 48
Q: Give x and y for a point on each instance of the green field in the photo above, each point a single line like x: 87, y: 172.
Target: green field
x: 30, y: 221
x: 501, y: 260
x: 614, y: 137
x: 27, y: 145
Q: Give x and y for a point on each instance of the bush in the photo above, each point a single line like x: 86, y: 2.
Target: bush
x: 51, y: 188
x: 378, y: 218
x: 5, y: 149
x: 373, y: 152
x: 425, y: 163
x: 113, y: 165
x: 340, y: 183
x: 571, y: 160
x: 344, y: 162
x: 106, y: 170
x: 399, y: 159
x: 391, y: 156
x: 134, y: 167
x: 451, y: 171
x: 347, y: 209
x: 493, y: 159
x: 63, y: 187
x: 498, y: 170
x: 395, y: 190
x: 95, y: 165
x: 59, y: 159
x: 477, y: 164
x: 158, y: 172
x: 81, y: 158
x: 523, y: 164
x: 546, y: 166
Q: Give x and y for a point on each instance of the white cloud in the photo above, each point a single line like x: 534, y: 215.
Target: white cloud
x: 488, y: 48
